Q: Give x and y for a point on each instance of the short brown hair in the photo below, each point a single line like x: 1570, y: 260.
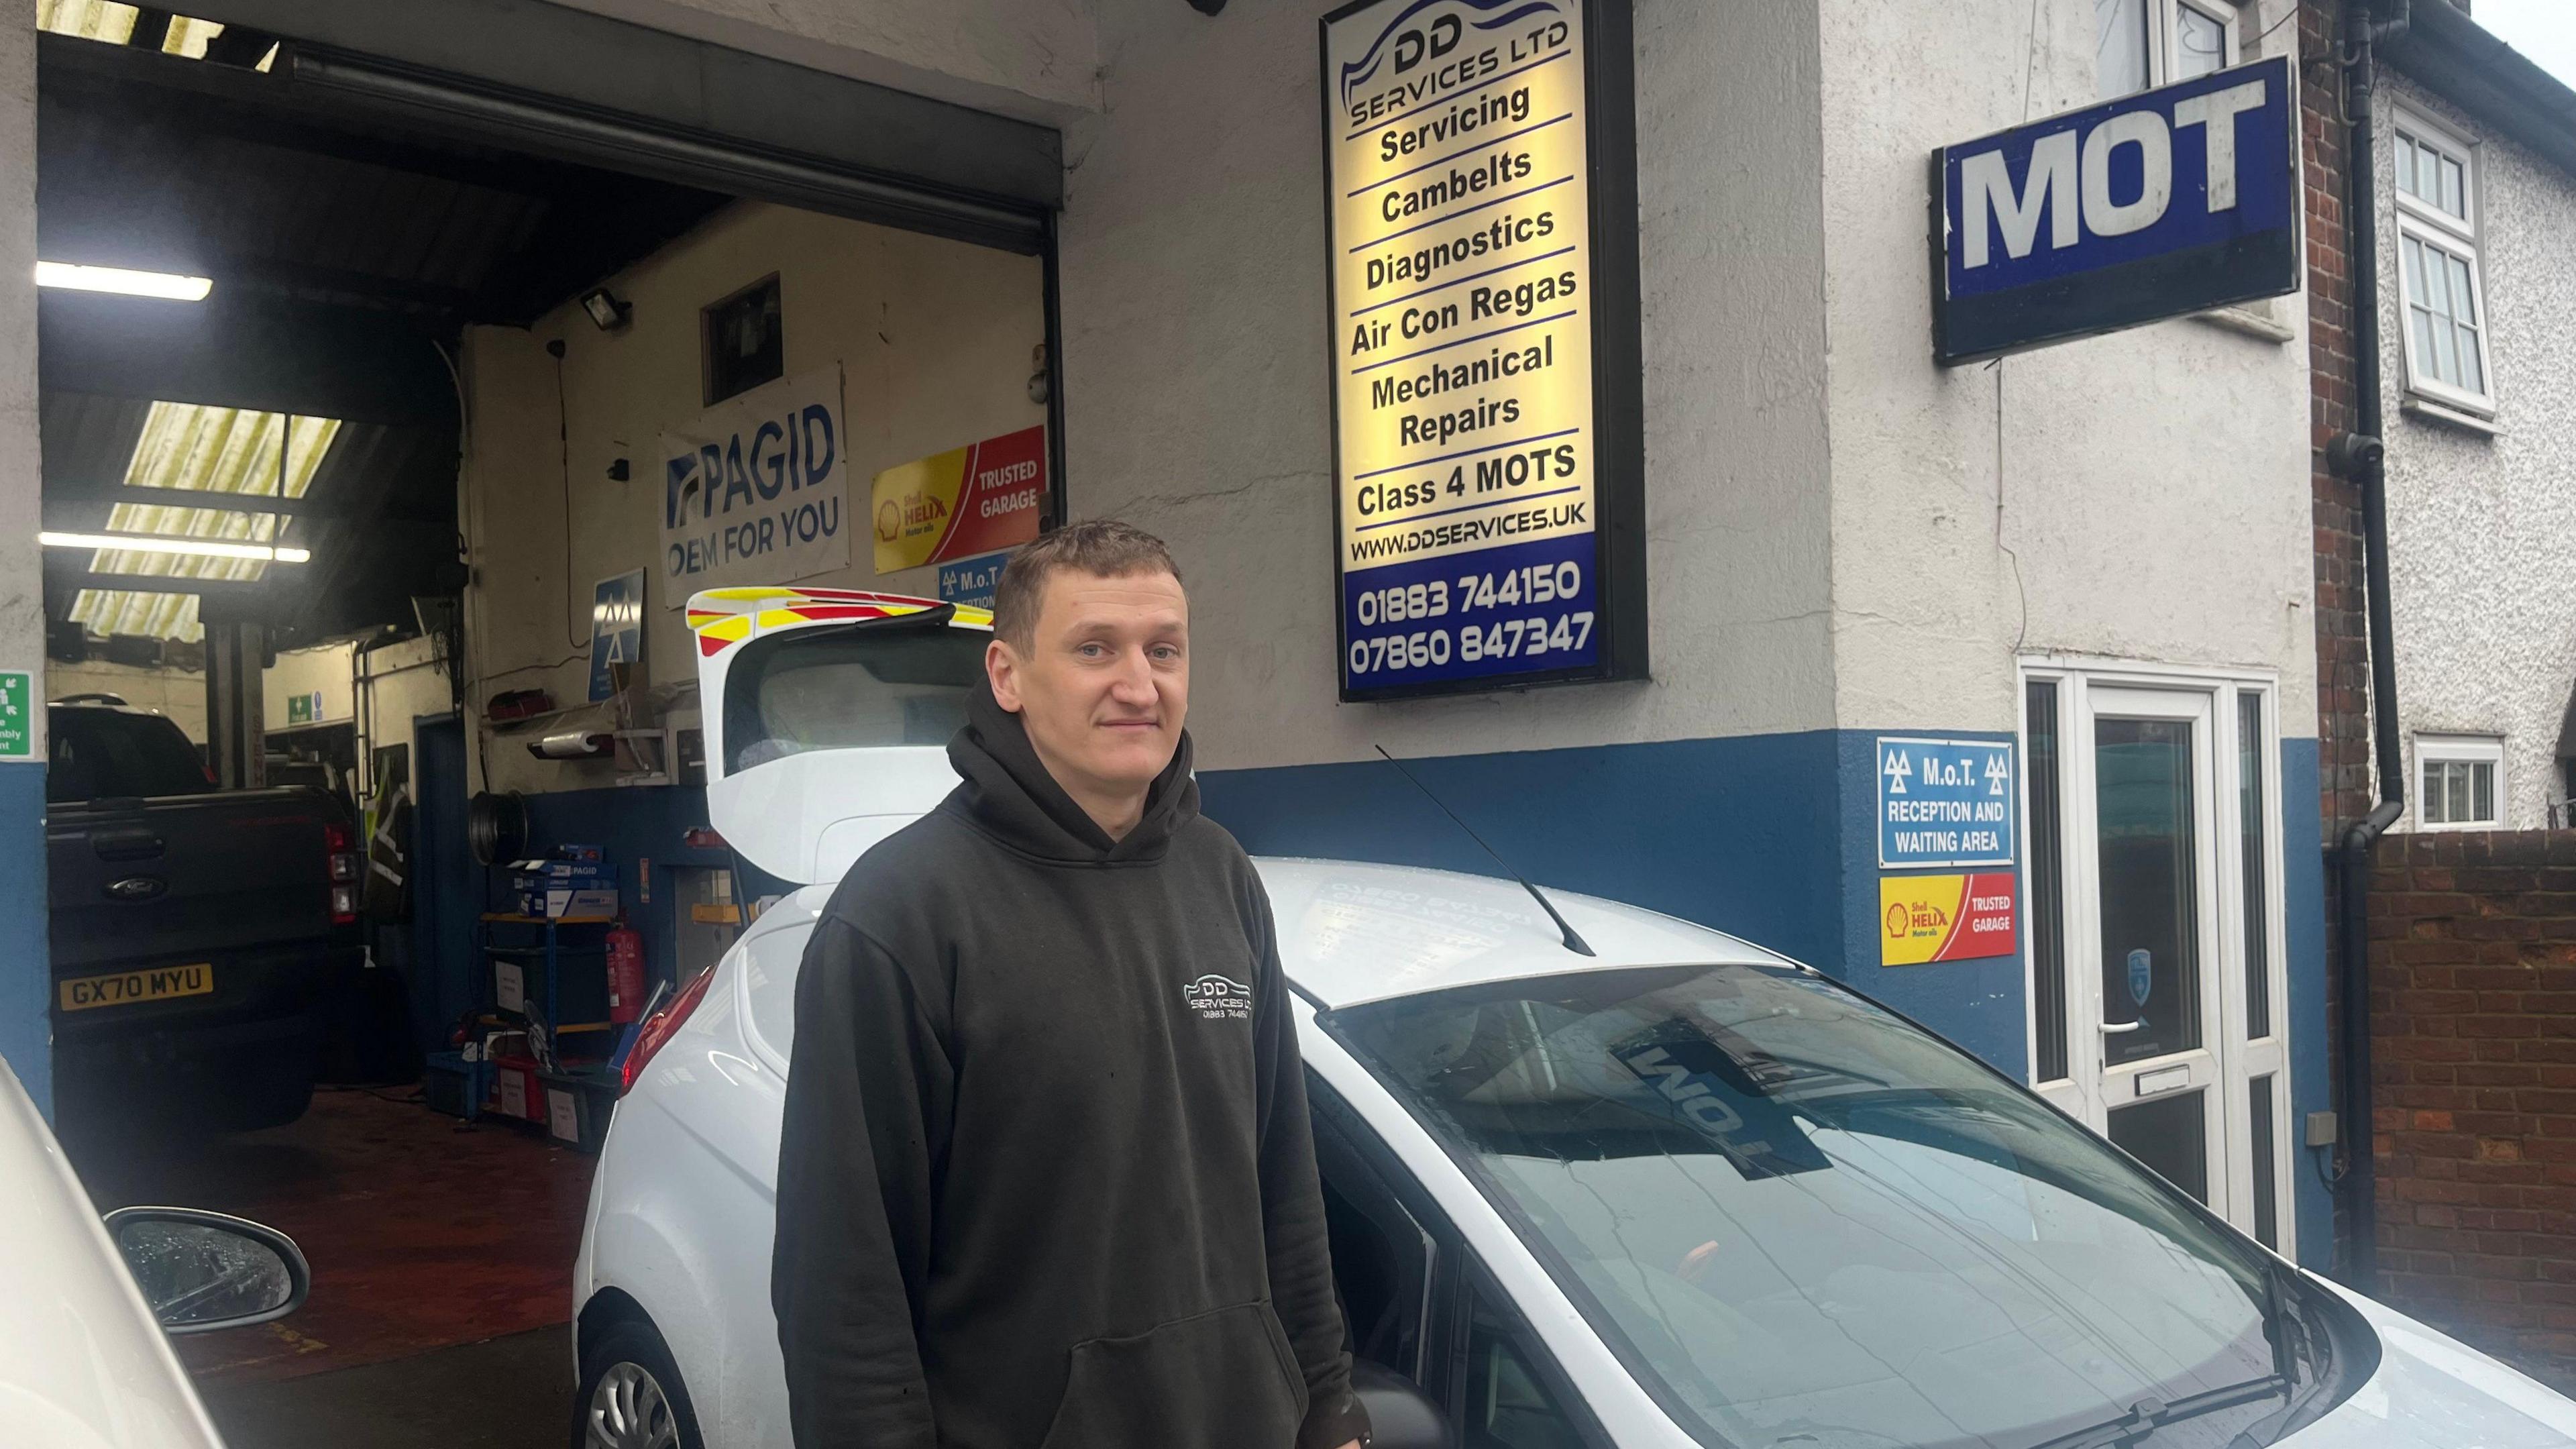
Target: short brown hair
x: 1102, y: 547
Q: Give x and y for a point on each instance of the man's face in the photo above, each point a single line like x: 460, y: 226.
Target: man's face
x: 1105, y: 683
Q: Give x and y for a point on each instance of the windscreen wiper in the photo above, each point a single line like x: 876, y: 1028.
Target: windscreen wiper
x: 2149, y: 1414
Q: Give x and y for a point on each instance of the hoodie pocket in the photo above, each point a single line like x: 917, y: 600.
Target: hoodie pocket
x: 1225, y: 1379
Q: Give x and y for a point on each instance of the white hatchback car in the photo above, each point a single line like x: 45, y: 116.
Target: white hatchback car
x: 84, y: 1361
x: 1677, y: 1191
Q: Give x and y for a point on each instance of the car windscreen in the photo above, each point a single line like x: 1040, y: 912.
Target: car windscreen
x: 884, y: 682
x: 1801, y: 1220
x: 94, y: 753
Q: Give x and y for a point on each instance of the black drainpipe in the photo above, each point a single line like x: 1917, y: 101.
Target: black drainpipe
x: 2358, y: 456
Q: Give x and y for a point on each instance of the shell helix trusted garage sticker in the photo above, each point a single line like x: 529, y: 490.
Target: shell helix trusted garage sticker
x: 973, y: 500
x: 1926, y: 918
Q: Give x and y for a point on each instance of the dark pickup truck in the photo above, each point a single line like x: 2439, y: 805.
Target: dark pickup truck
x: 197, y: 933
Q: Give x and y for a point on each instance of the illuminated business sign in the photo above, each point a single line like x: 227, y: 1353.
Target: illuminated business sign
x: 2169, y: 201
x: 1481, y: 179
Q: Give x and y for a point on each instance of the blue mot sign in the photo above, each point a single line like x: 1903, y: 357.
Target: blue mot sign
x: 2166, y: 202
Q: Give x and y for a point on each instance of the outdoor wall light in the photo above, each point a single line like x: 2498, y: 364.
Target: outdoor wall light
x: 194, y: 547
x: 166, y: 285
x: 606, y: 312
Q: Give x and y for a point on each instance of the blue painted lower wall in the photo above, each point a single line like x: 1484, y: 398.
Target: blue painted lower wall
x: 2303, y: 896
x: 26, y: 976
x: 1743, y: 834
x: 1771, y: 837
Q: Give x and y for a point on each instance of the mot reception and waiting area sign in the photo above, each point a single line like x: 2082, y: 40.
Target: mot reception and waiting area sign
x: 2171, y: 201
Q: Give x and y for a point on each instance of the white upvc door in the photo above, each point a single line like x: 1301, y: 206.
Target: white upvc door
x: 2151, y: 891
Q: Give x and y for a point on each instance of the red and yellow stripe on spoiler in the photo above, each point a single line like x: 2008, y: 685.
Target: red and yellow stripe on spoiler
x: 722, y: 618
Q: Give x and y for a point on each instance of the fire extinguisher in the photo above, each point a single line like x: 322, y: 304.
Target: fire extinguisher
x: 625, y: 974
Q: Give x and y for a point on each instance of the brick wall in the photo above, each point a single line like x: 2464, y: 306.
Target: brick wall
x: 2473, y: 1031
x: 2343, y: 652
x: 2343, y: 655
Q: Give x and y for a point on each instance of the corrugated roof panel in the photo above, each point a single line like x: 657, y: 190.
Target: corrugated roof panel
x: 203, y: 449
x: 88, y: 19
x: 114, y: 23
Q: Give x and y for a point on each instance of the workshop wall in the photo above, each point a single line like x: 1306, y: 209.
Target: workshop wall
x: 323, y: 670
x: 935, y: 340
x: 178, y: 693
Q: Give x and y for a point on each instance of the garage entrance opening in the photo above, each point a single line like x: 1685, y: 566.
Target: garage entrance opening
x: 402, y: 376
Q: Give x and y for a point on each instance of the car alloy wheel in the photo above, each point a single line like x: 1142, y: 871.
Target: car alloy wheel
x: 629, y: 1411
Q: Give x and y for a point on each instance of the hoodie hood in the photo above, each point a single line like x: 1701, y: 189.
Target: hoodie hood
x: 1008, y: 794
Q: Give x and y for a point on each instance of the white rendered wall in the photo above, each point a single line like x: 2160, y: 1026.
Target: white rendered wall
x: 1196, y: 360
x: 934, y: 338
x: 1823, y: 550
x: 22, y: 589
x: 2482, y: 530
x: 2142, y: 496
x: 25, y: 1035
x: 1034, y: 59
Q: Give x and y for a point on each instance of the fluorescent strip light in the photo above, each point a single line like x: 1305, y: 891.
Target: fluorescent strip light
x: 117, y: 279
x: 195, y: 547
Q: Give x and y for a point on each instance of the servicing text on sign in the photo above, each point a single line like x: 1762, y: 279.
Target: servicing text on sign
x: 1458, y: 198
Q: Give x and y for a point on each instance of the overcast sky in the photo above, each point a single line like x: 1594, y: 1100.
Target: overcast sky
x: 2544, y: 30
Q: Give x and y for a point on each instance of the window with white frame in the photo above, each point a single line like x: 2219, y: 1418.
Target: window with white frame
x: 2444, y: 305
x: 2142, y: 43
x: 2459, y: 781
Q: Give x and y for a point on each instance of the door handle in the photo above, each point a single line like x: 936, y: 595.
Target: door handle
x: 126, y: 845
x: 2109, y: 1030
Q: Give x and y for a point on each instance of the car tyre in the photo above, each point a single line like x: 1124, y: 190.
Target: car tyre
x: 631, y: 1396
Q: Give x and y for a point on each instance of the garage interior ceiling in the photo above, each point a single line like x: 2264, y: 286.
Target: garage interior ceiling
x: 348, y: 253
x: 362, y: 183
x: 193, y: 448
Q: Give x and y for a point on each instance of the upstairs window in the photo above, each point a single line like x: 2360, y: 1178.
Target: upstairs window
x: 2143, y: 43
x: 743, y: 341
x: 2460, y: 781
x: 2444, y: 303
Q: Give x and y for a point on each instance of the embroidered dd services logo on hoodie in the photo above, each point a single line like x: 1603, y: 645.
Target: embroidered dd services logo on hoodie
x: 1218, y: 998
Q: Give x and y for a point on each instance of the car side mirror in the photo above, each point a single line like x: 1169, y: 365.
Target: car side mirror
x: 202, y: 1271
x: 1401, y: 1415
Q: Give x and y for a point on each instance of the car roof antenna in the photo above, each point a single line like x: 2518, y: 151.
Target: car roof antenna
x: 1574, y: 941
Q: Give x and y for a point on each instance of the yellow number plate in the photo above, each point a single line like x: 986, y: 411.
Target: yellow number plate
x: 80, y: 993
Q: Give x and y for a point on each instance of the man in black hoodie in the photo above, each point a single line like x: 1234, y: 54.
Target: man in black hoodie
x: 1045, y: 1179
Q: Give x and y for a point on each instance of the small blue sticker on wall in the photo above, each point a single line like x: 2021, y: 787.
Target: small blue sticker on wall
x: 2142, y: 975
x: 971, y: 580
